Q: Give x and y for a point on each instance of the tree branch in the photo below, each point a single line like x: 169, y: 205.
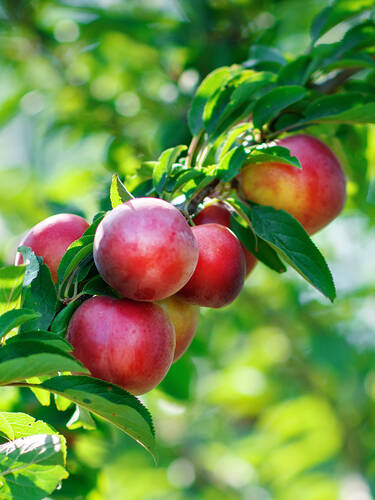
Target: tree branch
x: 331, y: 84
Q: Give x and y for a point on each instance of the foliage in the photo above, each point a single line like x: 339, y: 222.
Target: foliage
x: 275, y: 398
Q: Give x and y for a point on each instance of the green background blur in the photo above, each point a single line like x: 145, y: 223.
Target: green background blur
x: 275, y: 399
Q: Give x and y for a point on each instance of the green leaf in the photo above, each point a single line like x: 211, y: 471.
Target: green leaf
x: 46, y: 337
x: 44, y: 397
x: 270, y: 105
x: 19, y: 361
x: 333, y: 105
x: 62, y: 404
x: 73, y: 257
x: 264, y: 58
x: 216, y: 106
x: 231, y: 164
x: 335, y: 14
x: 14, y: 318
x: 32, y: 264
x: 97, y: 286
x: 17, y: 425
x: 81, y: 418
x: 206, y: 89
x: 359, y: 37
x: 287, y: 236
x: 11, y: 282
x: 278, y: 154
x: 118, y: 192
x: 164, y: 166
x: 31, y: 467
x: 41, y: 297
x: 297, y: 72
x: 108, y: 401
x: 363, y: 113
x: 257, y: 246
x: 233, y: 137
x: 62, y: 318
x: 185, y: 177
x: 242, y: 95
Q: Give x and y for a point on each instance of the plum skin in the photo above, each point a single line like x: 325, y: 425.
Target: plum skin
x: 145, y: 249
x: 128, y: 343
x: 314, y: 194
x: 218, y: 213
x: 51, y: 238
x: 220, y: 273
x: 184, y: 318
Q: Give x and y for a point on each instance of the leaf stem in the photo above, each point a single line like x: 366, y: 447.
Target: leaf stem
x: 192, y: 148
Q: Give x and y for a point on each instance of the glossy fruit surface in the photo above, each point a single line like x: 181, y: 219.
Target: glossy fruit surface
x: 220, y: 272
x: 218, y: 213
x: 314, y: 194
x: 51, y: 238
x: 128, y: 343
x: 185, y: 318
x: 145, y: 249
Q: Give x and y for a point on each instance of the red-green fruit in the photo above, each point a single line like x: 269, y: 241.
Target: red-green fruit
x: 184, y: 318
x: 128, y: 343
x: 218, y: 213
x: 220, y: 272
x: 51, y: 238
x: 145, y: 249
x: 314, y: 195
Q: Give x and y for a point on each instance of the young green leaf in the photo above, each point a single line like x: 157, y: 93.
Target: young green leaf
x: 164, y: 166
x: 14, y: 318
x: 19, y: 361
x: 270, y: 105
x: 118, y: 192
x: 108, y: 401
x: 288, y: 237
x: 11, y: 282
x: 32, y: 467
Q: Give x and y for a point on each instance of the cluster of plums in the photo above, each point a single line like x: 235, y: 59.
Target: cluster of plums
x: 164, y: 269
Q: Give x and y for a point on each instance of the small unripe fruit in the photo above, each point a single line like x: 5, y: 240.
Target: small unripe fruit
x: 218, y: 213
x: 145, y: 249
x: 314, y: 194
x: 128, y: 343
x: 51, y: 238
x: 220, y: 272
x: 184, y: 318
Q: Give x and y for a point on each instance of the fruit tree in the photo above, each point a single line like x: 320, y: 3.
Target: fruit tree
x: 100, y: 309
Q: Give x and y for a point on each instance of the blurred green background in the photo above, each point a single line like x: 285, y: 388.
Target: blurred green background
x: 275, y: 399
